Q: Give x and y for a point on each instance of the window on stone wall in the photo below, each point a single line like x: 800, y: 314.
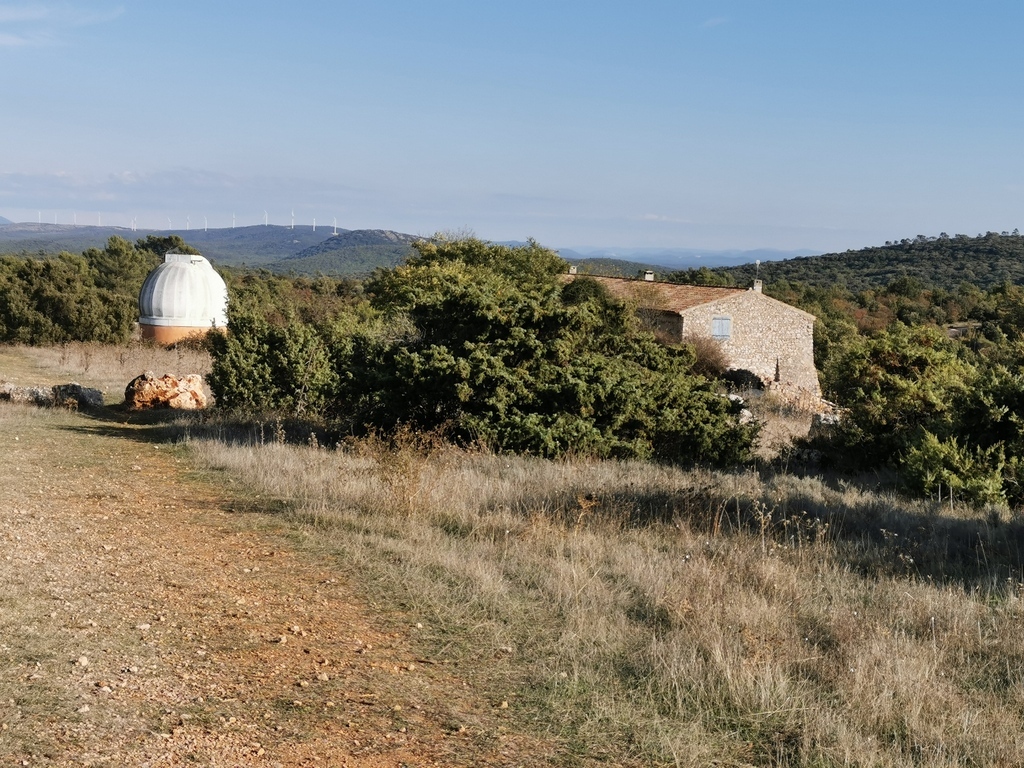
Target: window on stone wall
x: 721, y: 327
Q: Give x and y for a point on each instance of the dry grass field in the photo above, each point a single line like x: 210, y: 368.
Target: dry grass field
x: 644, y: 613
x: 622, y: 613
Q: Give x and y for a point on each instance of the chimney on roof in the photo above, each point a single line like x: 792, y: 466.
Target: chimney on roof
x: 757, y: 286
x: 648, y: 275
x: 572, y: 269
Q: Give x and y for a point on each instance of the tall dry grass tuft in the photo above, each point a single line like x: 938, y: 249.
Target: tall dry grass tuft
x: 648, y: 614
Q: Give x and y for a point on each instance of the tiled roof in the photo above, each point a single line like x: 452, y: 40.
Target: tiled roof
x: 666, y: 296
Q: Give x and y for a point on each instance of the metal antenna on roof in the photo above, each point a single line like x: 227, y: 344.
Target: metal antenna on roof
x: 265, y: 218
x: 188, y: 223
x: 314, y: 223
x: 757, y: 268
x: 168, y: 222
x: 335, y: 225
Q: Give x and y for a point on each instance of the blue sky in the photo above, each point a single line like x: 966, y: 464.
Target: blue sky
x: 704, y: 124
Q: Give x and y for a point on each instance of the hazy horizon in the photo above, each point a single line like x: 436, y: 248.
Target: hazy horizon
x: 716, y: 124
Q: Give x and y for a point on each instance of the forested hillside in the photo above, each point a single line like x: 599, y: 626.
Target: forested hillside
x: 936, y: 262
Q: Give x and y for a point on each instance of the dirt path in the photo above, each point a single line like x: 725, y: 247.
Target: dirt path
x: 142, y: 623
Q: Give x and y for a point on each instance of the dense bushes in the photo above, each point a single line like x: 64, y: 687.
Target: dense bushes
x: 264, y: 367
x: 58, y: 300
x: 947, y: 416
x: 486, y: 344
x: 92, y: 297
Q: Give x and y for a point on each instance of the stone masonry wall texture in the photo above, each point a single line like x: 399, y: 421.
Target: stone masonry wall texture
x: 767, y: 337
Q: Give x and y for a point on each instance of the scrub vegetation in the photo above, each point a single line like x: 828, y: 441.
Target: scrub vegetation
x: 577, y: 518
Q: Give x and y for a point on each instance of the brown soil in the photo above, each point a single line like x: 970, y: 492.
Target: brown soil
x: 145, y: 623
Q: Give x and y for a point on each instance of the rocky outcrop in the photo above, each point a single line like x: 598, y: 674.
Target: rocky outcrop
x: 72, y: 395
x: 150, y: 391
x: 30, y: 395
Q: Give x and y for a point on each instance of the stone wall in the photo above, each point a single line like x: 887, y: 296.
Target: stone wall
x: 767, y: 337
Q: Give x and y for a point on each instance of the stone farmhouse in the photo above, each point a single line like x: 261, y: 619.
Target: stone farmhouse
x: 769, y: 338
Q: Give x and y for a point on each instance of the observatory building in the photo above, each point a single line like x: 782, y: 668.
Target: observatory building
x: 182, y: 297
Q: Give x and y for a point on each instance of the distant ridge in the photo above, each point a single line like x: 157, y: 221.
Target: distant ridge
x: 359, y: 237
x: 304, y: 250
x: 354, y: 253
x: 254, y: 246
x: 33, y: 238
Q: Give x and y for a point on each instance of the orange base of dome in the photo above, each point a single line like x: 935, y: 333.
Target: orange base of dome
x: 172, y: 334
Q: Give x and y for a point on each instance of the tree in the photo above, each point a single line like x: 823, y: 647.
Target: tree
x: 161, y: 245
x: 530, y: 262
x: 121, y: 267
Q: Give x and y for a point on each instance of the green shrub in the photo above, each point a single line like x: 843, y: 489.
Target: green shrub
x: 263, y: 367
x: 933, y: 465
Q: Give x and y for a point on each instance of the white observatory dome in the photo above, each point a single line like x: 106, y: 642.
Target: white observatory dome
x: 181, y: 297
